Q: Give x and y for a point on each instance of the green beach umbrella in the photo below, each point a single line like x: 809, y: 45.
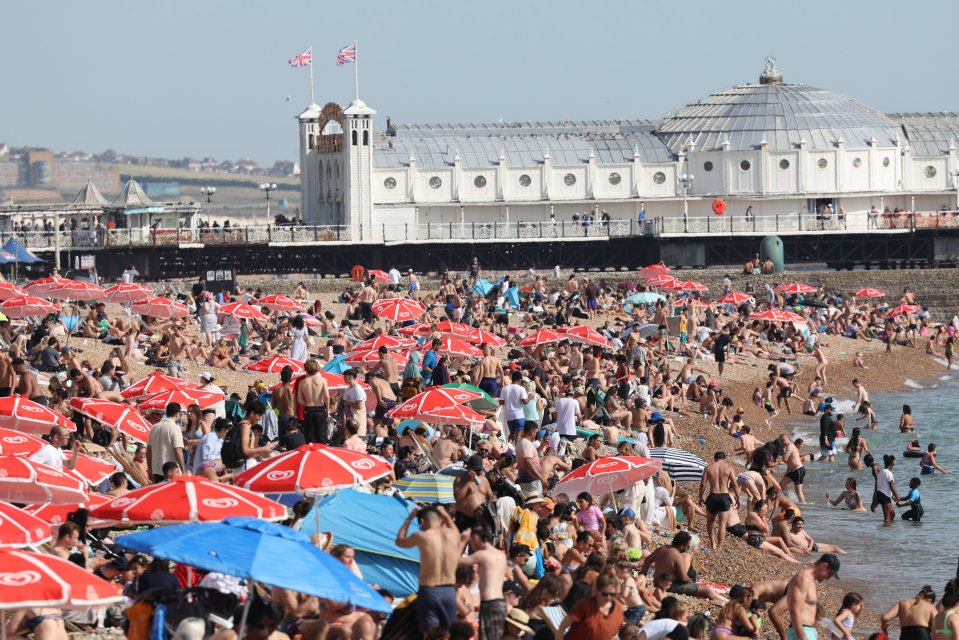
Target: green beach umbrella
x: 486, y: 403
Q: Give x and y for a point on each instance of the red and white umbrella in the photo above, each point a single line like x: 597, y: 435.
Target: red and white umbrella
x: 313, y: 468
x: 156, y: 382
x: 417, y: 330
x: 279, y: 302
x: 482, y: 336
x: 127, y: 292
x: 120, y: 416
x: 9, y: 290
x: 184, y: 396
x: 24, y: 481
x: 869, y: 293
x: 778, y: 315
x: 735, y: 297
x: 439, y: 405
x: 379, y: 276
x: 160, y: 307
x: 690, y: 302
x: 42, y: 286
x: 20, y: 414
x: 690, y: 285
x: 57, y: 513
x: 89, y: 469
x: 543, y: 336
x: 608, y: 475
x: 26, y: 306
x: 390, y: 342
x: 903, y: 310
x: 275, y: 365
x: 791, y: 288
x: 15, y: 443
x: 242, y: 310
x: 454, y: 329
x: 187, y: 499
x: 454, y: 347
x: 21, y: 529
x: 367, y: 359
x: 399, y: 309
x: 76, y: 290
x: 653, y: 270
x: 587, y: 335
x: 662, y: 281
x: 35, y: 580
x: 335, y: 383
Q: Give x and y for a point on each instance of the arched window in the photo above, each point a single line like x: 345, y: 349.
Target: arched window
x: 354, y: 137
x: 366, y: 138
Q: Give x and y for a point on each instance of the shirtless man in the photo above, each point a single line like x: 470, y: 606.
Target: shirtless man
x: 801, y: 542
x: 591, y: 362
x: 747, y: 444
x: 385, y: 399
x: 471, y: 490
x: 491, y: 563
x: 801, y: 597
x: 821, y: 361
x: 795, y: 471
x: 721, y: 479
x: 687, y: 375
x: 314, y: 396
x: 27, y: 385
x: 86, y: 386
x: 447, y: 450
x: 177, y: 346
x: 387, y: 368
x: 554, y: 467
x: 490, y: 371
x: 8, y: 379
x: 861, y: 394
x: 674, y: 559
x: 284, y: 402
x: 440, y: 547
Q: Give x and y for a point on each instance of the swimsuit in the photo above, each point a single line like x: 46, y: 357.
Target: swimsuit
x: 737, y: 530
x: 809, y: 633
x: 946, y: 631
x: 797, y: 475
x: 914, y: 633
x: 718, y: 502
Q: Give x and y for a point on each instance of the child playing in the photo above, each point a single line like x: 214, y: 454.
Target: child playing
x: 858, y: 362
x: 912, y: 500
x: 590, y: 517
x: 846, y: 617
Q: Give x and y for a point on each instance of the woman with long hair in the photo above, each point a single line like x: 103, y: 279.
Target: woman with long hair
x: 855, y: 447
x: 916, y: 615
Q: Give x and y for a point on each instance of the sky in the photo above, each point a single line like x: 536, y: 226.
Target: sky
x: 210, y: 77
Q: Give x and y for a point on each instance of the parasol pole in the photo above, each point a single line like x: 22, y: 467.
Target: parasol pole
x: 250, y: 594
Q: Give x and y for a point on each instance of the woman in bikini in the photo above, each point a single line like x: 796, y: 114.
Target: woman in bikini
x: 915, y: 615
x: 45, y: 623
x: 850, y: 496
x: 734, y: 614
x: 945, y: 626
x: 757, y: 532
x: 855, y: 447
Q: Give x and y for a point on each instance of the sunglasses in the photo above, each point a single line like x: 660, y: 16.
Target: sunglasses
x: 608, y: 594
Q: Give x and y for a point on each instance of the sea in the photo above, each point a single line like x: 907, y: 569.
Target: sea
x: 886, y: 563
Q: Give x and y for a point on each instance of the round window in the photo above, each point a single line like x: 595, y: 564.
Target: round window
x: 390, y: 183
x: 525, y: 180
x: 857, y: 162
x: 885, y: 162
x: 569, y: 179
x: 435, y: 182
x: 784, y: 164
x: 707, y: 166
x: 930, y: 171
x: 659, y: 177
x: 615, y: 179
x: 823, y: 163
x: 744, y: 165
x: 479, y: 182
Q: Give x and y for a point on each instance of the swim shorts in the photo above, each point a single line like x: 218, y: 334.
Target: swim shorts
x: 684, y: 588
x: 718, y: 502
x: 736, y: 530
x: 797, y: 475
x: 809, y: 633
x: 490, y: 386
x: 436, y: 606
x: 882, y: 498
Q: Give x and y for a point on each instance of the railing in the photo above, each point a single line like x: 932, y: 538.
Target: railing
x: 856, y: 222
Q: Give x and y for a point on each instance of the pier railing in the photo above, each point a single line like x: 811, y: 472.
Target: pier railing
x: 793, y: 223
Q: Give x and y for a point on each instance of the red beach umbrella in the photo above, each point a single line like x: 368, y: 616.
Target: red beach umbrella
x: 735, y: 297
x: 89, y: 469
x: 454, y: 348
x: 482, y: 336
x: 662, y: 281
x: 653, y: 270
x: 778, y: 315
x: 313, y: 468
x: 160, y: 307
x: 587, y: 335
x: 398, y: 309
x: 275, y: 365
x: 794, y: 288
x: 543, y: 336
x: 390, y: 342
x: 183, y: 395
x: 21, y: 529
x: 20, y: 414
x: 418, y: 330
x: 15, y: 443
x: 187, y: 499
x: 279, y: 302
x: 76, y: 290
x: 24, y: 481
x: 57, y: 513
x: 690, y: 302
x: 242, y: 310
x: 869, y: 293
x: 127, y: 292
x: 156, y: 382
x: 438, y: 405
x: 9, y: 290
x: 607, y: 475
x: 42, y: 286
x: 367, y: 359
x: 26, y: 306
x: 903, y: 310
x: 689, y: 285
x: 43, y: 580
x: 120, y: 416
x: 379, y: 276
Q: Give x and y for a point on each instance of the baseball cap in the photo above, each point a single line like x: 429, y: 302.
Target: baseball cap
x: 656, y: 417
x: 119, y: 563
x: 626, y: 512
x: 512, y: 586
x: 475, y: 463
x: 831, y: 560
x: 206, y: 375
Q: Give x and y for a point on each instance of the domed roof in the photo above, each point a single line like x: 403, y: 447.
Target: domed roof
x: 779, y: 114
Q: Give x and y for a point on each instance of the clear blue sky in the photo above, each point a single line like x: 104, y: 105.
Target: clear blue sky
x: 209, y: 77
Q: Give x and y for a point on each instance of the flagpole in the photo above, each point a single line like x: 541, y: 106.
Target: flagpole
x: 356, y: 69
x: 312, y: 98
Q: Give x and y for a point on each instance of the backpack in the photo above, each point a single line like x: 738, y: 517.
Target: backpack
x: 231, y: 453
x: 486, y: 515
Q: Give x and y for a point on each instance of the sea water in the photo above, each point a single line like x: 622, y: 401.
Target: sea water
x: 886, y: 563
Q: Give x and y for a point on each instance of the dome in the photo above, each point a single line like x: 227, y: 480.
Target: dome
x: 358, y: 108
x: 312, y: 112
x: 779, y: 114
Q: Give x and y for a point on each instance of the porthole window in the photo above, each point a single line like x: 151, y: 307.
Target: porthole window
x: 615, y: 179
x: 930, y: 171
x: 885, y: 162
x: 744, y: 165
x: 784, y: 164
x: 569, y: 179
x: 823, y: 163
x: 525, y: 180
x: 479, y: 182
x: 857, y: 162
x: 659, y: 177
x: 707, y: 166
x: 390, y: 183
x: 435, y: 182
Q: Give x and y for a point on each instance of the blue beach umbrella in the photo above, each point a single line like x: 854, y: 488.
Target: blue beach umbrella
x: 482, y: 287
x: 644, y: 297
x: 337, y: 365
x: 427, y: 487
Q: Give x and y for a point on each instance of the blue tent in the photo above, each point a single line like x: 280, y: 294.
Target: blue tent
x: 512, y: 297
x: 16, y: 248
x: 336, y: 365
x: 7, y: 258
x: 482, y: 287
x: 369, y: 524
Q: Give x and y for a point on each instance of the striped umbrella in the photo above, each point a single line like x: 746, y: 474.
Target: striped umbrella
x: 681, y: 466
x: 427, y: 487
x: 279, y: 302
x: 127, y: 292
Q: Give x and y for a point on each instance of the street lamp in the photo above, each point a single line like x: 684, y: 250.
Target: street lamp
x: 686, y: 180
x: 267, y: 188
x: 208, y: 192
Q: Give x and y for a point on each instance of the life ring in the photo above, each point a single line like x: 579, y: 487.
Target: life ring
x: 357, y: 272
x: 719, y: 206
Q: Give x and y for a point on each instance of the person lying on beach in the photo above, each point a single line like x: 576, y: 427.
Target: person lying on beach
x: 798, y: 539
x: 676, y: 560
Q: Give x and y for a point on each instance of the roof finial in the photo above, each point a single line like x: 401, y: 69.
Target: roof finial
x: 770, y: 74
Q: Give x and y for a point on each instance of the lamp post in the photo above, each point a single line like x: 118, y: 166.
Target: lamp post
x: 686, y: 180
x: 208, y: 192
x: 267, y: 188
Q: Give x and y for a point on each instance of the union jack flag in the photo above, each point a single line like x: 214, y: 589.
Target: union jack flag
x: 305, y: 59
x: 346, y: 54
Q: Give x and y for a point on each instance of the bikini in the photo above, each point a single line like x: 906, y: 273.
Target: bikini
x: 946, y: 631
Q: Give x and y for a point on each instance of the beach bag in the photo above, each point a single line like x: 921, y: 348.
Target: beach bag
x: 231, y: 453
